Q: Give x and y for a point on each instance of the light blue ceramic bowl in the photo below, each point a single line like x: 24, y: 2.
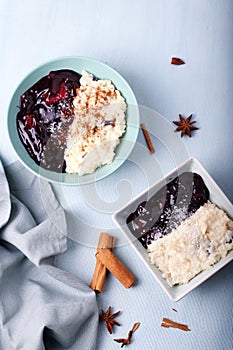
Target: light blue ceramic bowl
x: 100, y: 70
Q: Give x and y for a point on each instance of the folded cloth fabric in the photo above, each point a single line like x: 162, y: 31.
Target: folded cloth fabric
x: 41, y: 307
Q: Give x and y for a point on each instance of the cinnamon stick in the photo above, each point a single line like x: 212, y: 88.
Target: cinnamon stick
x: 115, y: 266
x: 169, y: 323
x: 97, y: 283
x: 147, y: 138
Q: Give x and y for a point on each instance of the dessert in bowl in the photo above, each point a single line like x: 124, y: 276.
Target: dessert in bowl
x: 181, y: 227
x: 73, y: 120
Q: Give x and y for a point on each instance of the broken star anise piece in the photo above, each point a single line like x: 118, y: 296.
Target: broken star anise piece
x: 108, y: 318
x: 177, y: 61
x: 185, y: 125
x: 127, y: 341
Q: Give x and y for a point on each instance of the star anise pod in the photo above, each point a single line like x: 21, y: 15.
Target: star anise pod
x: 108, y: 318
x: 127, y: 341
x: 185, y: 125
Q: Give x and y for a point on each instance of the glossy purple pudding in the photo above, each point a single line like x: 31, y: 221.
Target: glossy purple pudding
x: 166, y: 209
x: 46, y: 111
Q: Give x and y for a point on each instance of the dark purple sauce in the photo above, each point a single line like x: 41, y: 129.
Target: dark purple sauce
x: 166, y: 209
x: 46, y: 111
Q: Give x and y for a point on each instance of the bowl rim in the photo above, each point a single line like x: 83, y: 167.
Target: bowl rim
x: 130, y: 134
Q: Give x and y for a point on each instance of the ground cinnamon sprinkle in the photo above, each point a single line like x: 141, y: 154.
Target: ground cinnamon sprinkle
x: 169, y: 323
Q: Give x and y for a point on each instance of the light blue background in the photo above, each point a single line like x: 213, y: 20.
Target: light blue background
x: 138, y: 39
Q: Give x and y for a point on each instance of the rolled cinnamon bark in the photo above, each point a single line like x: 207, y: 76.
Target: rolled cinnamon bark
x: 115, y: 266
x: 166, y: 322
x: 97, y: 283
x: 147, y: 138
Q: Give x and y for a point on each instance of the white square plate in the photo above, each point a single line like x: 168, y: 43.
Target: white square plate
x: 216, y: 196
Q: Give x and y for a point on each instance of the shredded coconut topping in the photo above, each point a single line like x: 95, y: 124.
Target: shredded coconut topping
x: 194, y: 246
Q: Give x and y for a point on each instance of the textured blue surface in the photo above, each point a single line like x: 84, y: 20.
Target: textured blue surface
x: 138, y: 39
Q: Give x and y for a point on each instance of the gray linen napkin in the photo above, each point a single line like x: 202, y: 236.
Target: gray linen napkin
x: 41, y: 306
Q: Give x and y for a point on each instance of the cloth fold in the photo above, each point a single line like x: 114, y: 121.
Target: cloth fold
x: 41, y: 306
